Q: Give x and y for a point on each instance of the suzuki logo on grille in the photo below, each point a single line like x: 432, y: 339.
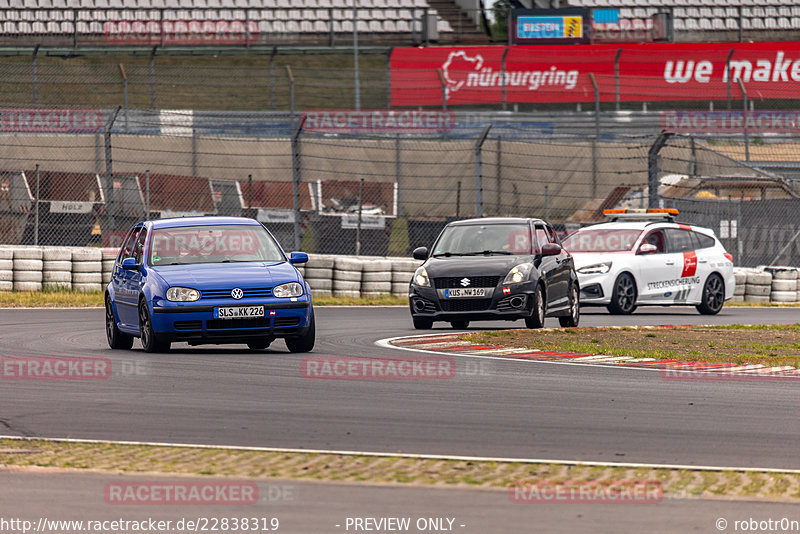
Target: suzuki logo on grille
x: 465, y: 282
x: 237, y: 293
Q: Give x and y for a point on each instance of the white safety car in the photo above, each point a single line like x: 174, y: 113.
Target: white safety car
x: 644, y: 257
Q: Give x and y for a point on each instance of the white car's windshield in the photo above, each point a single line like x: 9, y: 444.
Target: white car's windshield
x: 188, y: 245
x: 474, y: 239
x: 616, y: 240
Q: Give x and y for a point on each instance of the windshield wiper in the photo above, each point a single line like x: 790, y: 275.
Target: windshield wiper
x: 448, y: 254
x: 489, y: 252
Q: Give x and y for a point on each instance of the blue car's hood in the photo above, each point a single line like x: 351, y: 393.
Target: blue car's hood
x: 223, y: 275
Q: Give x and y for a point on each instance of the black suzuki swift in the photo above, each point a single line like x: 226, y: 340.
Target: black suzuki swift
x: 495, y: 269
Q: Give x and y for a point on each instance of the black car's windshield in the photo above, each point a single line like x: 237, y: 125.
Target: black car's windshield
x: 616, y: 240
x: 486, y: 239
x: 188, y: 245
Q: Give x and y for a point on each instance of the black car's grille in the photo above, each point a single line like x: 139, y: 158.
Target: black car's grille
x: 253, y: 292
x: 465, y: 305
x: 227, y: 324
x: 188, y: 325
x: 474, y: 281
x: 286, y: 321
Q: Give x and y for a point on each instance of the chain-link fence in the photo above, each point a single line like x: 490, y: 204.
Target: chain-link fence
x: 335, y: 184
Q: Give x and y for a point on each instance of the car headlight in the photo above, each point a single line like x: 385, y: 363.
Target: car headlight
x: 283, y: 291
x: 421, y: 278
x: 597, y: 268
x: 518, y: 273
x: 182, y: 294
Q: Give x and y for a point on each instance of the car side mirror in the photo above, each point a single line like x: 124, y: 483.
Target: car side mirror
x: 420, y: 253
x: 130, y: 264
x: 298, y: 257
x: 647, y: 248
x: 551, y: 249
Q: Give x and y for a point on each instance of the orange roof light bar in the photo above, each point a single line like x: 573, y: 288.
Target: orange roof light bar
x: 638, y: 211
x: 640, y: 214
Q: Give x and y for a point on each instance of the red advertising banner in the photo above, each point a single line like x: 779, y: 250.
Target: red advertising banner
x: 647, y: 72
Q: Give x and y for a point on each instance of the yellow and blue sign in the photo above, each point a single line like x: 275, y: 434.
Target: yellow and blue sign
x: 548, y: 26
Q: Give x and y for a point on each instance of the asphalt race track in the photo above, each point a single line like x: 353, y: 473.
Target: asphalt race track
x: 231, y: 396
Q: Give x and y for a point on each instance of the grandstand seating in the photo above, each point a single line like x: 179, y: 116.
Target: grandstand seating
x: 79, y: 18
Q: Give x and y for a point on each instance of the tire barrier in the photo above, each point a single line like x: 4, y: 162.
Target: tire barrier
x: 28, y: 268
x: 376, y: 278
x: 108, y: 259
x: 402, y: 273
x: 347, y: 277
x: 318, y: 272
x: 784, y: 284
x: 87, y: 269
x: 56, y: 268
x: 28, y: 265
x: 6, y: 269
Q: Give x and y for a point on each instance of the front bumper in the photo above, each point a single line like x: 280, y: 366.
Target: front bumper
x: 514, y: 303
x: 596, y: 289
x: 196, y: 322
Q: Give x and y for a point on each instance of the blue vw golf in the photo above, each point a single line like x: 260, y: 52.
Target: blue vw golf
x: 207, y: 280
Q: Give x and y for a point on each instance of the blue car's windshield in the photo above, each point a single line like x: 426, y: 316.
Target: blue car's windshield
x: 189, y: 245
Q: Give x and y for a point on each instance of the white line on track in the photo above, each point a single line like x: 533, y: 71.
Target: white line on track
x: 412, y: 456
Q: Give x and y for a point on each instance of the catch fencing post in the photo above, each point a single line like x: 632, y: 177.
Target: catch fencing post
x: 596, y: 133
x: 153, y: 78
x: 124, y: 94
x: 35, y: 76
x: 728, y: 75
x: 291, y: 88
x: 358, y: 224
x: 249, y: 191
x: 36, y: 227
x: 444, y: 89
x: 503, y: 75
x: 147, y: 194
x: 458, y: 199
x: 272, y: 77
x: 109, y: 179
x: 616, y: 77
x: 398, y: 171
x: 296, y: 179
x: 746, y: 136
x: 389, y: 78
x: 355, y: 56
x: 652, y: 169
x: 479, y: 171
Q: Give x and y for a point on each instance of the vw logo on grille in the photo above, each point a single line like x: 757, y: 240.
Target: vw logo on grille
x: 465, y: 282
x: 237, y: 293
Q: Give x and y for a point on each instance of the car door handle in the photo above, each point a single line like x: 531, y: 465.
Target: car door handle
x: 702, y: 261
x: 670, y: 263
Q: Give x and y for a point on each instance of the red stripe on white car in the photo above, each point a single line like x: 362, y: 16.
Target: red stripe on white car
x: 689, y: 263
